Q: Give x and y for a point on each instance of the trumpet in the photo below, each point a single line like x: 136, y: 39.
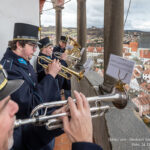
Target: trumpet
x: 118, y: 97
x: 65, y: 72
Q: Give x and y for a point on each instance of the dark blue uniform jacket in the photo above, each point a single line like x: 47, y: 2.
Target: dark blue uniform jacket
x: 39, y: 68
x: 29, y: 95
x: 85, y: 146
x: 64, y: 84
x: 31, y: 92
x: 41, y: 72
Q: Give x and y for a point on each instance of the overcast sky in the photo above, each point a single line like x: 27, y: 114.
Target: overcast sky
x: 138, y: 18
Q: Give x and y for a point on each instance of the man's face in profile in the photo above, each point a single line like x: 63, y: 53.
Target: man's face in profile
x: 8, y: 109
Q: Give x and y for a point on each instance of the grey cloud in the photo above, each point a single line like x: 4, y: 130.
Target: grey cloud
x: 138, y: 16
x: 95, y: 13
x: 70, y: 7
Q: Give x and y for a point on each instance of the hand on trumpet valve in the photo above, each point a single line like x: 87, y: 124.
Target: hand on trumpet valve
x: 79, y: 126
x: 53, y: 68
x: 65, y: 108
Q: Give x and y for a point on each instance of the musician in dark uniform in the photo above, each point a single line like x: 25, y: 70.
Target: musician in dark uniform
x: 64, y: 84
x: 46, y: 49
x: 74, y: 127
x: 16, y: 62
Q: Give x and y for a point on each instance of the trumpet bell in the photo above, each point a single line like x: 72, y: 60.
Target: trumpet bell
x: 124, y: 97
x: 122, y: 101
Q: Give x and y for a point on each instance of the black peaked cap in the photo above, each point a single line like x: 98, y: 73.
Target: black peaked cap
x: 23, y: 31
x: 63, y: 39
x: 44, y: 42
x: 7, y: 87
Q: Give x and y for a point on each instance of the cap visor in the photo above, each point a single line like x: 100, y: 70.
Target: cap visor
x: 48, y: 44
x: 35, y: 42
x: 12, y: 86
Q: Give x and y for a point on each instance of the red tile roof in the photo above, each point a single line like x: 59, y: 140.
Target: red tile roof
x: 134, y: 46
x: 136, y: 73
x: 146, y: 71
x: 142, y: 99
x: 139, y: 68
x: 127, y: 54
x: 99, y: 49
x: 90, y: 49
x: 145, y: 53
x: 145, y: 86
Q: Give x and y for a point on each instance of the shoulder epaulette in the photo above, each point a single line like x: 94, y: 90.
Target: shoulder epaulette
x: 7, y: 63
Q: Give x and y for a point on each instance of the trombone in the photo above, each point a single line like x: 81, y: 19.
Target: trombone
x: 118, y: 97
x: 65, y: 72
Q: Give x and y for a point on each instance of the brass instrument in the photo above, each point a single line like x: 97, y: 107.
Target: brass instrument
x: 76, y: 48
x: 73, y: 55
x: 118, y: 97
x: 65, y: 72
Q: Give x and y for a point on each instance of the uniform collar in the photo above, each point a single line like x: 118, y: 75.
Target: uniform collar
x: 62, y: 49
x: 17, y: 59
x: 41, y: 54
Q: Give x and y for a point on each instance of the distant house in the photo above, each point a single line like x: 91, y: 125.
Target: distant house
x: 136, y: 73
x: 127, y: 55
x: 134, y: 85
x: 145, y: 87
x: 134, y: 47
x: 146, y: 75
x: 147, y: 64
x: 145, y: 53
x: 94, y: 51
x: 130, y: 50
x: 90, y: 49
x: 144, y: 47
x: 138, y: 70
x: 100, y: 49
x: 143, y: 104
x: 126, y: 48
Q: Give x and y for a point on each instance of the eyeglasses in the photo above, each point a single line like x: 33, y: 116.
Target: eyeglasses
x: 33, y: 45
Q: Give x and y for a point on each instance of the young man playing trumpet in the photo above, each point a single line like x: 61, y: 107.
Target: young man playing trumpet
x: 16, y: 62
x: 46, y: 49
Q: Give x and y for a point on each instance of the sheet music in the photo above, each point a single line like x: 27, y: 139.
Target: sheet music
x: 120, y: 68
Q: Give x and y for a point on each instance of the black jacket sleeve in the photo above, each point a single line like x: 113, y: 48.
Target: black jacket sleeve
x: 85, y: 146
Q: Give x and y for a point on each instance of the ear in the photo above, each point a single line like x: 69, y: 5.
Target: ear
x: 18, y: 45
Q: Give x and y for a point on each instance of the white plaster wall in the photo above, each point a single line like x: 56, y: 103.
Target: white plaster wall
x: 12, y: 11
